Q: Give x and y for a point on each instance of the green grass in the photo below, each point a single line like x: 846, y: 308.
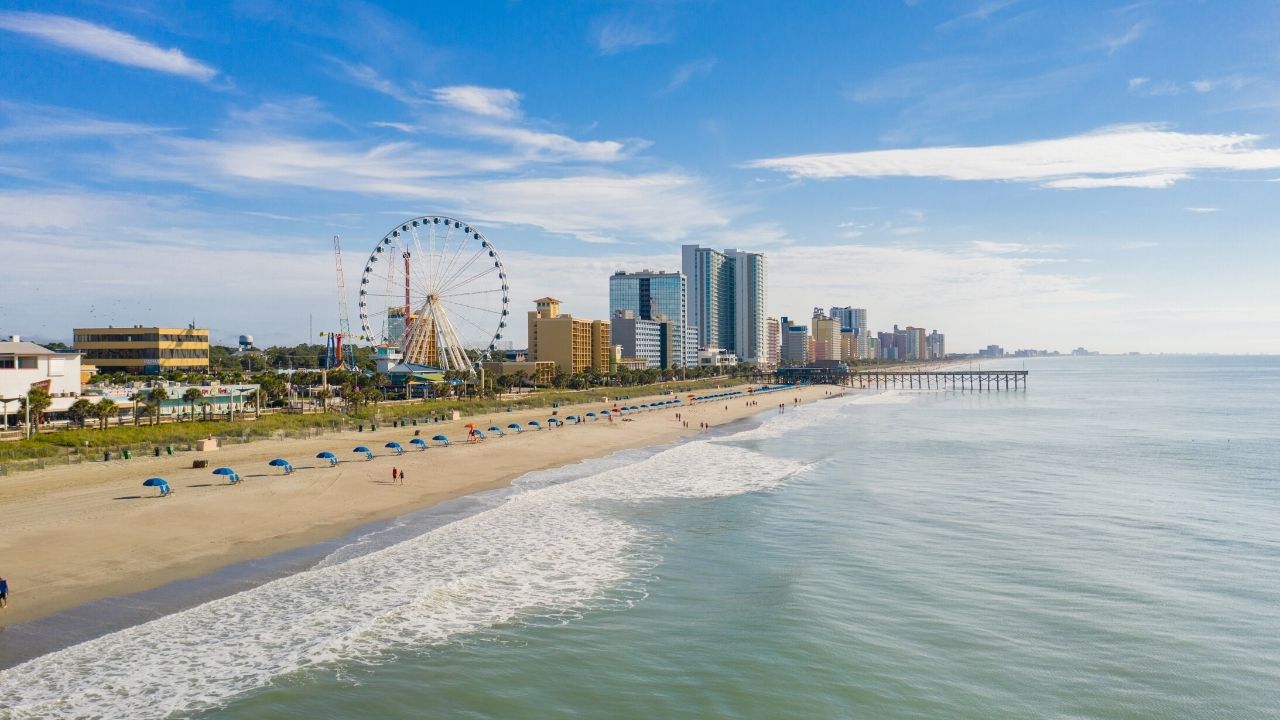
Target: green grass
x: 70, y: 446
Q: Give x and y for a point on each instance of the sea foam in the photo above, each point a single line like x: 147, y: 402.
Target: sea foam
x: 548, y: 551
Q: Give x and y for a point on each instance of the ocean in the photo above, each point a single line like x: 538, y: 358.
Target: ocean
x: 1102, y: 545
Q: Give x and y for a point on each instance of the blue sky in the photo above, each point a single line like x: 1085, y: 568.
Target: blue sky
x: 1027, y: 173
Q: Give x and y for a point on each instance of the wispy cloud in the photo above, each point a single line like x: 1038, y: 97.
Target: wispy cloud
x: 689, y: 71
x: 1202, y: 210
x: 1133, y: 34
x: 490, y: 102
x: 106, y: 44
x: 1125, y: 156
x: 29, y: 123
x: 620, y: 33
x: 981, y: 13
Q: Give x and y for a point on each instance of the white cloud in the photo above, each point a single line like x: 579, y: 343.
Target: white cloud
x: 106, y: 44
x: 553, y: 146
x: 689, y: 71
x: 1154, y: 180
x: 618, y: 34
x: 1201, y: 210
x: 1135, y: 31
x: 490, y: 102
x: 1126, y: 156
x: 1137, y: 82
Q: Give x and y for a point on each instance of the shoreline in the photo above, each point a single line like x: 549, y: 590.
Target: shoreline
x: 76, y: 535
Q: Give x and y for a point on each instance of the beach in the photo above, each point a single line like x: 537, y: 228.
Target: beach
x: 78, y: 533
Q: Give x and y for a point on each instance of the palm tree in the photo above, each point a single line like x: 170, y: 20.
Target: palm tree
x: 155, y: 398
x: 80, y: 411
x: 191, y: 396
x: 205, y: 408
x: 135, y: 398
x: 38, y: 400
x: 104, y: 410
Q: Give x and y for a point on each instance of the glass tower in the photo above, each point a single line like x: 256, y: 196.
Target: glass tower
x: 651, y: 295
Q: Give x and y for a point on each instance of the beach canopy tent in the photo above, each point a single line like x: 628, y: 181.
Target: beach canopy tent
x: 514, y: 426
x: 441, y: 439
x: 419, y: 443
x: 395, y: 447
x: 326, y: 455
x: 496, y: 430
x: 232, y: 476
x: 159, y: 483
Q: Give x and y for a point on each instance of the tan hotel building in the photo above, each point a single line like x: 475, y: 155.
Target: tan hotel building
x: 573, y: 345
x: 143, y: 350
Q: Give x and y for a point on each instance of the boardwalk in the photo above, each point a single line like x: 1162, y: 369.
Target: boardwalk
x: 977, y: 380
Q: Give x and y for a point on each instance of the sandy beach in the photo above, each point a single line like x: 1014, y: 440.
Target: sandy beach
x: 78, y: 533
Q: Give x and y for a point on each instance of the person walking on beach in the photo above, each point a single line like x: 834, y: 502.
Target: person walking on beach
x: 393, y: 474
x: 4, y: 593
x: 401, y: 477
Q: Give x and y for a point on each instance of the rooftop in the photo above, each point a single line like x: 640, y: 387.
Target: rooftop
x: 22, y: 347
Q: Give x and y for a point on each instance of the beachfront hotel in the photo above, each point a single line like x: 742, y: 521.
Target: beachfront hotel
x: 574, y: 345
x: 660, y: 297
x: 25, y: 365
x: 144, y: 350
x: 728, y: 295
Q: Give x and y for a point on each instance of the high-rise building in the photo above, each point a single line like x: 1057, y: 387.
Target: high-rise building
x: 772, y: 341
x: 138, y: 349
x: 795, y: 343
x: 854, y: 319
x: 917, y: 349
x: 647, y: 340
x: 728, y: 295
x: 657, y: 296
x: 936, y: 342
x: 573, y: 345
x: 826, y: 337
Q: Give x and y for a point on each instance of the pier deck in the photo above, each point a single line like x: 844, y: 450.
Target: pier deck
x: 978, y: 380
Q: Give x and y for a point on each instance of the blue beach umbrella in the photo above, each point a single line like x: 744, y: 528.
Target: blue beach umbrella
x: 279, y: 462
x: 554, y: 421
x: 514, y: 426
x: 395, y: 447
x: 232, y: 476
x: 368, y: 454
x: 441, y: 439
x: 159, y: 483
x: 326, y: 455
x: 496, y: 430
x: 535, y: 424
x: 480, y: 434
x: 591, y: 414
x: 418, y: 443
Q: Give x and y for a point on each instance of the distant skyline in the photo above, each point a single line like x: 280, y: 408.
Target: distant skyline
x: 1028, y: 174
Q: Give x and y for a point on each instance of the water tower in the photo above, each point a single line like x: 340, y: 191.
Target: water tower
x: 246, y: 343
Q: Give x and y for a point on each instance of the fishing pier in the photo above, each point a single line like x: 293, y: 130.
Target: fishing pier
x: 976, y: 380
x: 964, y: 380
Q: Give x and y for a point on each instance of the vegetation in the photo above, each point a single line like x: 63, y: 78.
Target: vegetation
x: 79, y: 444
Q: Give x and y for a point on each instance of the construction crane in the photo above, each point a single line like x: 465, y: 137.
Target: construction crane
x: 339, y: 353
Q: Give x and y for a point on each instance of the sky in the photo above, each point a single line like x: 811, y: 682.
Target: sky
x: 1030, y: 174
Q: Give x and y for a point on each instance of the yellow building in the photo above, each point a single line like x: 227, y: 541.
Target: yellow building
x: 143, y: 350
x: 540, y: 373
x: 573, y: 345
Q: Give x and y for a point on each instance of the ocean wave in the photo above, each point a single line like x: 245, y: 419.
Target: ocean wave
x: 546, y: 553
x: 804, y: 417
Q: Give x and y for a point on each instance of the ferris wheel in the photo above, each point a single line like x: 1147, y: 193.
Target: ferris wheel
x: 435, y: 288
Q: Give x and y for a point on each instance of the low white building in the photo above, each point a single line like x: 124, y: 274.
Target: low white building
x: 716, y: 357
x: 24, y: 365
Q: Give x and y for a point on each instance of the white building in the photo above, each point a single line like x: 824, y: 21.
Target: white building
x: 24, y: 365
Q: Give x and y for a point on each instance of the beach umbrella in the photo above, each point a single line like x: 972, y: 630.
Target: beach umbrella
x: 536, y: 424
x: 591, y: 414
x: 232, y: 476
x: 395, y: 447
x: 514, y: 426
x: 159, y: 483
x: 326, y: 455
x: 479, y: 433
x: 496, y: 430
x: 419, y: 443
x: 573, y: 418
x: 441, y: 439
x: 358, y: 448
x: 279, y: 462
x: 554, y: 421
